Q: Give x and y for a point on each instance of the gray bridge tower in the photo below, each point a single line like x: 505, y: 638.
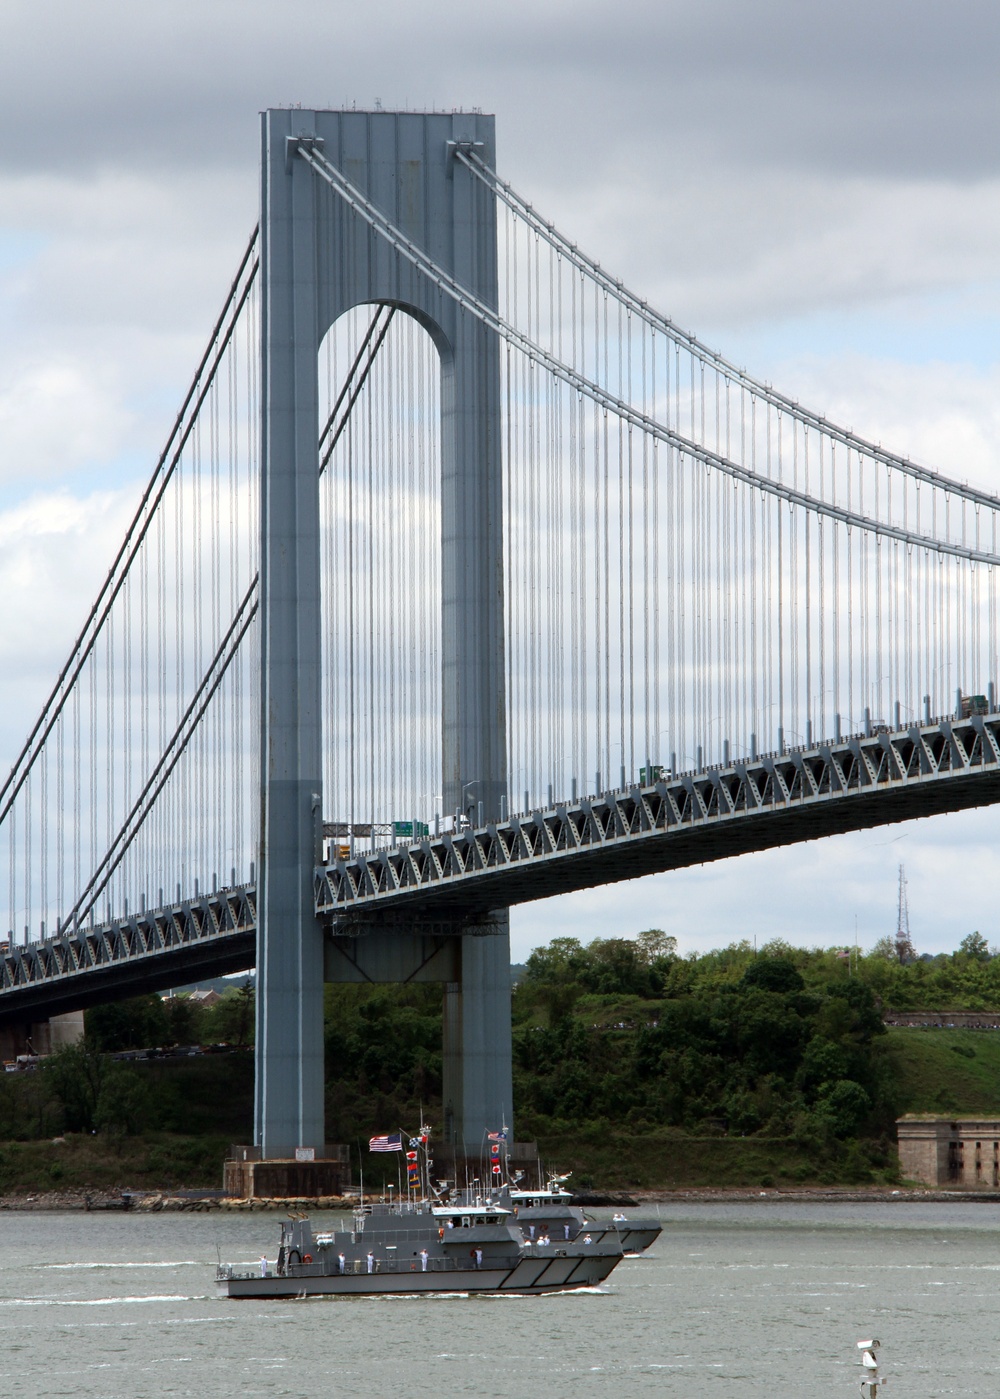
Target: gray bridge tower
x: 319, y: 259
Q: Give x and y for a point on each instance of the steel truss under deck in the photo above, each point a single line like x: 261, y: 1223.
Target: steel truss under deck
x: 691, y: 818
x: 209, y: 935
x: 451, y: 882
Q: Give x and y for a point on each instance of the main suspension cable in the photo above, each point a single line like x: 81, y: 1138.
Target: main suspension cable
x: 601, y: 396
x: 547, y: 230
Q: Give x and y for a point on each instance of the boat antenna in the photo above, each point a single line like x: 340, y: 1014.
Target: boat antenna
x: 425, y: 1161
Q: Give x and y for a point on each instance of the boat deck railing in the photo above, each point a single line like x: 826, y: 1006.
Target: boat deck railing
x: 450, y: 1234
x: 355, y: 1267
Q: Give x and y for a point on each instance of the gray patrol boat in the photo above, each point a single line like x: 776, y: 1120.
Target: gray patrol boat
x: 549, y: 1212
x: 414, y: 1247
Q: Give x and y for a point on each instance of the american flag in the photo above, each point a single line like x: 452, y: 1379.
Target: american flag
x: 497, y: 1136
x: 390, y: 1143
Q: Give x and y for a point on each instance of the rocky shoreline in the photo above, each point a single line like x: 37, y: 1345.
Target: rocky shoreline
x: 153, y: 1202
x: 192, y: 1201
x: 812, y: 1195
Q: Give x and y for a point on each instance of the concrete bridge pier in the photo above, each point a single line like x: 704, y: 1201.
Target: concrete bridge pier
x: 41, y: 1036
x: 474, y: 971
x: 477, y: 1090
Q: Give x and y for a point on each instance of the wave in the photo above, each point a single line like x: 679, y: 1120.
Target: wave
x: 92, y: 1301
x: 181, y: 1263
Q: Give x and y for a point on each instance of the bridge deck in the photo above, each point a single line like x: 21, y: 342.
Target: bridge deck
x: 210, y: 935
x: 692, y: 818
x: 453, y: 880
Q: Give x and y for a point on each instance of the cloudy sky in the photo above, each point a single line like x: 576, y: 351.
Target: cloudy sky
x: 813, y: 188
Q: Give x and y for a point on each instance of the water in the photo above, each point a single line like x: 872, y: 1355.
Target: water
x: 736, y: 1300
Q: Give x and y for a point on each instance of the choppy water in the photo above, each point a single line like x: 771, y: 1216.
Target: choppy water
x: 736, y: 1300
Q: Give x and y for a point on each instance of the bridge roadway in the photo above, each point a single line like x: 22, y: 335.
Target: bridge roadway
x: 444, y: 883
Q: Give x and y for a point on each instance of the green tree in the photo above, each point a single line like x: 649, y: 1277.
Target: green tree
x: 822, y: 1062
x: 26, y: 1107
x: 886, y: 949
x: 843, y: 1107
x: 655, y: 945
x: 617, y: 966
x: 138, y: 1023
x: 75, y: 1075
x: 184, y: 1020
x: 975, y: 947
x: 773, y: 974
x: 123, y: 1103
x: 231, y: 1020
x: 559, y: 960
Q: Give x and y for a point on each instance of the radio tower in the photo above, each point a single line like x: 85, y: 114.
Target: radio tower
x: 905, y: 951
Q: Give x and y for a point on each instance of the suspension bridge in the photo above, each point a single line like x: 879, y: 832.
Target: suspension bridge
x: 465, y: 578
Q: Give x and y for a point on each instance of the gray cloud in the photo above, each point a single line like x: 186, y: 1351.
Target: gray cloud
x: 734, y: 160
x: 904, y: 88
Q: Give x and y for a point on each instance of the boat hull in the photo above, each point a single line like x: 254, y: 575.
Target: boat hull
x: 637, y: 1237
x: 528, y: 1276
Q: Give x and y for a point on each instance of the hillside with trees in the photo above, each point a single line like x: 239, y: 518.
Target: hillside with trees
x: 633, y: 1066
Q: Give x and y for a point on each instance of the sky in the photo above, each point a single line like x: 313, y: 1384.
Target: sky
x: 813, y: 189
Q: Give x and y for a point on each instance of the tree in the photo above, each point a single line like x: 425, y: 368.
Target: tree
x: 230, y: 1020
x: 123, y: 1103
x: 559, y: 998
x: 886, y: 949
x: 184, y: 1018
x: 823, y: 1062
x: 138, y: 1023
x: 617, y: 966
x: 975, y: 947
x: 773, y: 974
x: 557, y: 961
x: 654, y: 943
x: 75, y: 1076
x: 843, y: 1107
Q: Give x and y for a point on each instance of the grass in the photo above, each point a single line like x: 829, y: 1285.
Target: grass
x: 946, y: 1071
x: 600, y: 1156
x: 606, y: 1157
x: 154, y: 1161
x: 198, y: 1106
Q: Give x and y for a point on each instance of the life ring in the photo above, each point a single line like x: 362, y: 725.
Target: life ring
x: 307, y: 1258
x: 440, y: 1233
